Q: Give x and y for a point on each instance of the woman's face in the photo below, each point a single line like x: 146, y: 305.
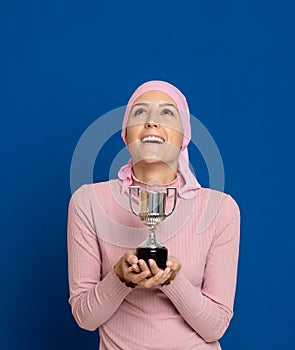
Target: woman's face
x: 154, y: 128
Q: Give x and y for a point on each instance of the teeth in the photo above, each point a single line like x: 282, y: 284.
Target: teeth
x: 153, y: 139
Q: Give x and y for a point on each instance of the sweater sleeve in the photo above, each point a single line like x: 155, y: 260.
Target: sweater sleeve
x: 93, y: 301
x: 209, y: 309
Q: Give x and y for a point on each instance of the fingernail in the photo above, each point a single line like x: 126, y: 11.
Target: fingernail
x: 151, y: 262
x: 168, y: 271
x: 169, y: 263
x: 133, y: 260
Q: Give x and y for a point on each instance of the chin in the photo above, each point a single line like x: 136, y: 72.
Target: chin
x: 150, y: 160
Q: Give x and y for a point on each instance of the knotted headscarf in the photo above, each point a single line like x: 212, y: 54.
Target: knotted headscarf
x: 188, y: 180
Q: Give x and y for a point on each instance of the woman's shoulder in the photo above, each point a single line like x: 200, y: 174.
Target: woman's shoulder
x: 86, y: 192
x: 225, y: 201
x: 96, y: 185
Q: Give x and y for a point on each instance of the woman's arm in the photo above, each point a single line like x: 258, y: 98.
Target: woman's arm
x: 93, y: 301
x: 208, y: 310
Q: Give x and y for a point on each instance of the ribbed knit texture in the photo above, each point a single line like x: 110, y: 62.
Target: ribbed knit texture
x: 194, y: 310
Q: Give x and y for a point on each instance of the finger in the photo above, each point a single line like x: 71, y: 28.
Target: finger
x: 169, y: 263
x: 143, y: 265
x: 153, y: 281
x: 134, y: 268
x: 171, y: 278
x: 138, y: 277
x: 131, y: 258
x: 174, y: 265
x: 154, y: 267
x: 166, y: 275
x: 163, y: 276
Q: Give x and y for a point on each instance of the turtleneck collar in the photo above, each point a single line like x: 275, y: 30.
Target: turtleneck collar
x: 177, y: 182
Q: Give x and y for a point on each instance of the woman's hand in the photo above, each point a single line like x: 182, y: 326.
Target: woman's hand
x: 159, y: 276
x: 127, y: 269
x: 175, y: 266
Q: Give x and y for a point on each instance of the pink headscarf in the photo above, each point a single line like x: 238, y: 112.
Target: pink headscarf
x: 189, y: 182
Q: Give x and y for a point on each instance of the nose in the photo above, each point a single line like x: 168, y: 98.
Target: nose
x: 151, y: 124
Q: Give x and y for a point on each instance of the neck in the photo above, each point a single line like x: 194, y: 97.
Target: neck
x: 155, y: 173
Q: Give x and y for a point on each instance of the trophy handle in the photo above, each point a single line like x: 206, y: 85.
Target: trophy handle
x: 175, y: 196
x: 130, y: 198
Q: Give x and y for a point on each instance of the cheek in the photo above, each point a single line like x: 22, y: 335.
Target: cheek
x: 128, y: 139
x: 132, y: 133
x: 176, y: 138
x: 180, y: 140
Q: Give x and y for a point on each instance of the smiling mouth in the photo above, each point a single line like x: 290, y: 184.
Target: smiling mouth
x: 152, y: 139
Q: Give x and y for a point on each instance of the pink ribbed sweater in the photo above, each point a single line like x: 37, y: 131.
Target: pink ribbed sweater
x: 194, y: 310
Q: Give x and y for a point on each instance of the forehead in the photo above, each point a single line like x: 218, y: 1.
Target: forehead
x: 154, y: 96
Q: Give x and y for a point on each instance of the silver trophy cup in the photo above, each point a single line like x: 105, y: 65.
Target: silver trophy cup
x: 152, y: 206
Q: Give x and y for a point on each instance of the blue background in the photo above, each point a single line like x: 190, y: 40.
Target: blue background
x: 65, y: 63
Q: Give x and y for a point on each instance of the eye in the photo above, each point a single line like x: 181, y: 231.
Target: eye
x: 167, y: 111
x: 140, y: 111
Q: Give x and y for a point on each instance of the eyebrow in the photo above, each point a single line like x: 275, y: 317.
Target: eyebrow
x: 160, y: 105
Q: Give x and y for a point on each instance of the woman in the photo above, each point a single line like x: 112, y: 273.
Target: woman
x: 136, y: 305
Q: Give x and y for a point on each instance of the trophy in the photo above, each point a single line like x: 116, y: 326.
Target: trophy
x: 152, y: 206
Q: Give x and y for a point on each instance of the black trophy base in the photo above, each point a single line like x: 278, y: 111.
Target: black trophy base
x: 158, y: 254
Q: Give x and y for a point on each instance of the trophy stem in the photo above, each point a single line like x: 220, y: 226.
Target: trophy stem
x: 151, y: 248
x: 151, y: 240
x: 152, y: 237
